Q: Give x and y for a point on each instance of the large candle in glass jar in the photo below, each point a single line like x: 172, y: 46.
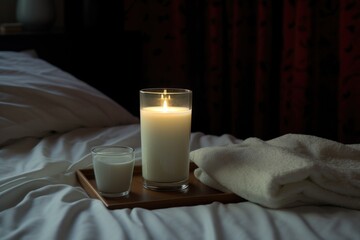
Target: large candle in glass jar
x: 165, y: 119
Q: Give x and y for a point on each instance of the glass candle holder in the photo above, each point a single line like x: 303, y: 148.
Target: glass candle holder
x: 165, y: 120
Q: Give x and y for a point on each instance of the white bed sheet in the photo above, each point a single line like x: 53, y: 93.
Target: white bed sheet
x: 40, y: 151
x: 41, y: 199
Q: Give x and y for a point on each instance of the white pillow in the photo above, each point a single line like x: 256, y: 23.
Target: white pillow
x: 37, y: 98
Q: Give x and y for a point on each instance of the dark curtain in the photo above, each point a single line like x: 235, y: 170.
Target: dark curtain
x: 257, y: 68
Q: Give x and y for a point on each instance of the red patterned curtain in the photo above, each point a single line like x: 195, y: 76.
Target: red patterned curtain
x: 257, y: 68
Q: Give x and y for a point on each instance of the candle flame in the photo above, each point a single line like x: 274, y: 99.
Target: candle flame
x: 165, y: 99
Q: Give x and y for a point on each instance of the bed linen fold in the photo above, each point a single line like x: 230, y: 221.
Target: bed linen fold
x: 46, y: 202
x: 290, y: 170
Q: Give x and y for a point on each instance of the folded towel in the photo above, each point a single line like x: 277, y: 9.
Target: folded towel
x: 290, y: 170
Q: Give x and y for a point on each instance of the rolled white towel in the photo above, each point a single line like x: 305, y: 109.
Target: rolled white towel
x: 290, y: 170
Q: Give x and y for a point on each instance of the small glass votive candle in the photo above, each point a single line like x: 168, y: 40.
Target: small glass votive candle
x: 165, y: 124
x: 113, y: 168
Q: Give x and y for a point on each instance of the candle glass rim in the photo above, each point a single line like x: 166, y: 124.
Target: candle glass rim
x: 168, y: 90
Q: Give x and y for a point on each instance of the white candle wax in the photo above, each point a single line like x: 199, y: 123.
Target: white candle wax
x: 165, y: 136
x: 113, y: 176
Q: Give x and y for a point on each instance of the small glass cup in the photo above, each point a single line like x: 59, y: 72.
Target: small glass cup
x: 113, y: 168
x: 165, y: 121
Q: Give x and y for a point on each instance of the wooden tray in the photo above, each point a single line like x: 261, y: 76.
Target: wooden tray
x: 197, y: 193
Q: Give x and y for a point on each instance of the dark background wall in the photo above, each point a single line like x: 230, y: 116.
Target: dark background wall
x: 257, y: 68
x: 87, y: 40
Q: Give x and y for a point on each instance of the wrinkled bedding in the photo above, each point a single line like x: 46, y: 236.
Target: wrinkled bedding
x: 40, y: 197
